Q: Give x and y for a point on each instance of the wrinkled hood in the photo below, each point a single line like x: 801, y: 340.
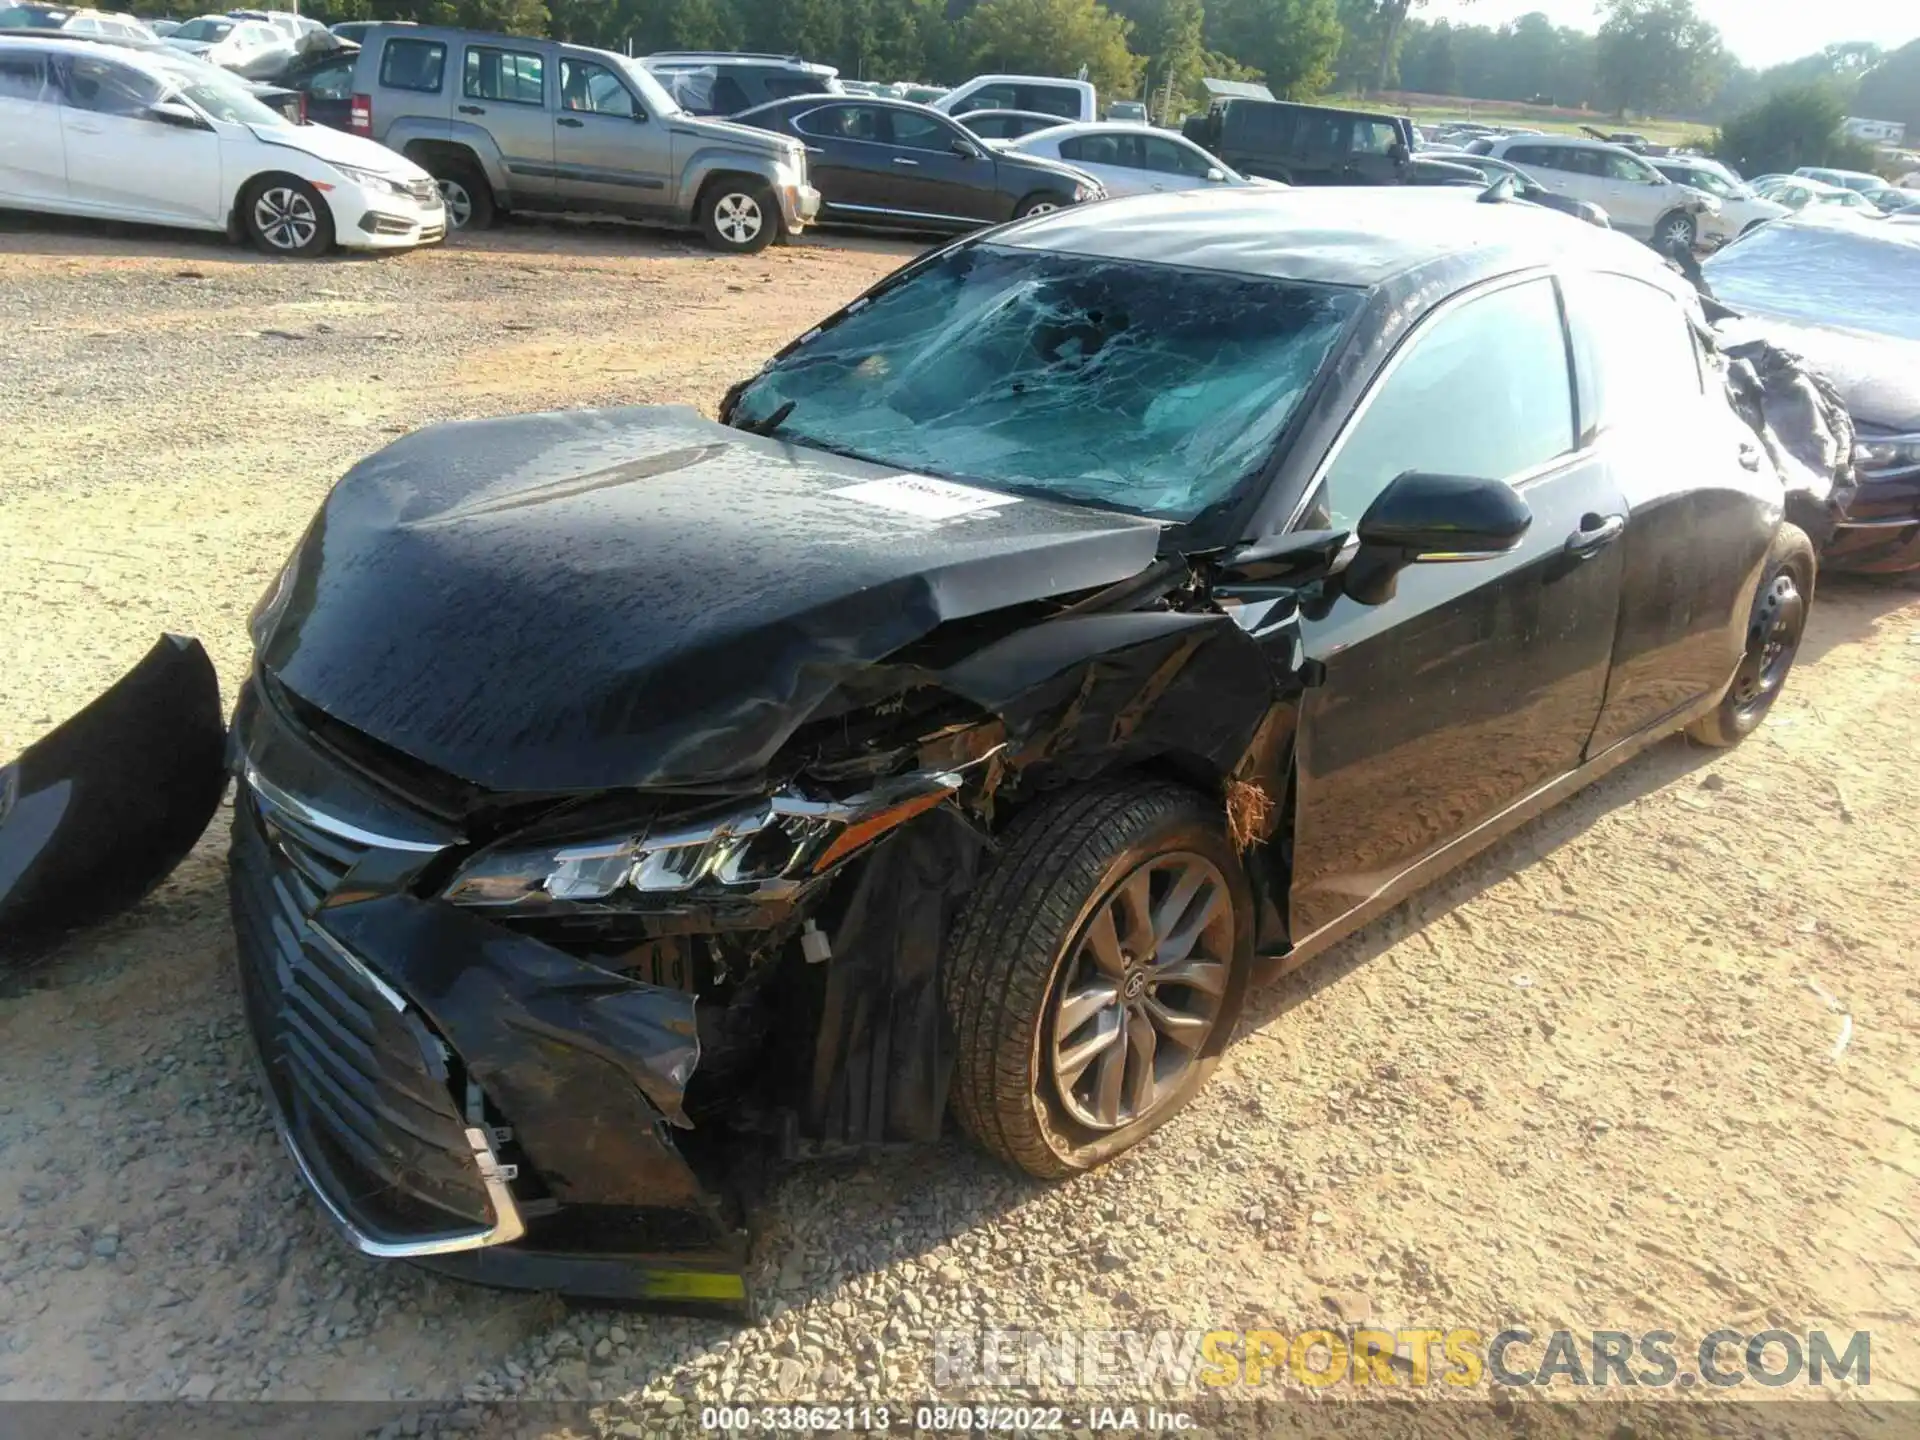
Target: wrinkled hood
x: 639, y: 597
x: 338, y: 147
x: 1878, y: 376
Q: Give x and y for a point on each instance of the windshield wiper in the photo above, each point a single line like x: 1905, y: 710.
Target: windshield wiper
x: 772, y: 423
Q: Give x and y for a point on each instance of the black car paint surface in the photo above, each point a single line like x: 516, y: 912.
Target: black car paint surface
x: 1845, y: 295
x: 948, y: 179
x: 99, y: 811
x: 520, y: 638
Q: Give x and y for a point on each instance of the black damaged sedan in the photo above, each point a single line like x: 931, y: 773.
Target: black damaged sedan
x: 1096, y: 613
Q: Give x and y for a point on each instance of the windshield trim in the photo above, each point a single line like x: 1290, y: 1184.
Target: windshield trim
x: 1215, y: 521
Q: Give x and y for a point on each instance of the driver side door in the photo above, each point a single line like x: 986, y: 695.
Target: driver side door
x: 1478, y: 680
x: 124, y: 163
x: 607, y: 151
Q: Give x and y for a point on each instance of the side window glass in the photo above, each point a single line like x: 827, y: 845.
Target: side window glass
x: 593, y: 89
x: 1374, y: 137
x: 512, y: 77
x: 782, y: 87
x: 993, y: 127
x: 919, y: 132
x: 1625, y: 167
x: 413, y: 65
x: 1483, y: 391
x: 842, y: 122
x: 1186, y: 160
x: 729, y: 95
x: 1639, y: 366
x: 1049, y: 100
x: 23, y: 77
x: 1324, y: 135
x: 108, y: 89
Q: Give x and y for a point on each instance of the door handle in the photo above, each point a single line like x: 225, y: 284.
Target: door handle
x: 816, y: 149
x: 571, y: 123
x: 903, y: 160
x: 1595, y: 534
x: 473, y: 109
x: 79, y: 129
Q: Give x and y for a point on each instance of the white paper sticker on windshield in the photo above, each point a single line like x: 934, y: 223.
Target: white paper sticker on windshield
x: 924, y: 496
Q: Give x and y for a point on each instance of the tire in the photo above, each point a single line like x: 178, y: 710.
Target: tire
x: 739, y: 215
x: 283, y: 215
x: 467, y: 193
x: 1041, y: 204
x: 1677, y: 228
x: 1774, y: 632
x: 1024, y: 952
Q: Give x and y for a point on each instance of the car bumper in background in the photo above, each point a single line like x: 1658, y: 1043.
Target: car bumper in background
x: 799, y: 206
x: 369, y: 220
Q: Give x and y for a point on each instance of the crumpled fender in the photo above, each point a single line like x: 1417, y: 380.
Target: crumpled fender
x: 101, y: 809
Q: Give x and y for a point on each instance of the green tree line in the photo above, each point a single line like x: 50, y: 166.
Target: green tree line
x: 1648, y: 57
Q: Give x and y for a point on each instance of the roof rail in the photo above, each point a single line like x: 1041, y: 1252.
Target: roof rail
x: 723, y: 55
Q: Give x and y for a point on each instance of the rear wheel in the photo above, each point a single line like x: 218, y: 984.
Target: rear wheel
x: 1096, y: 974
x: 465, y: 192
x: 284, y: 215
x: 738, y: 215
x: 1774, y: 632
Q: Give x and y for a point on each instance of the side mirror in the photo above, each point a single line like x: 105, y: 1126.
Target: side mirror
x: 966, y: 149
x: 176, y: 113
x: 1216, y: 175
x: 1425, y: 518
x: 1398, y: 153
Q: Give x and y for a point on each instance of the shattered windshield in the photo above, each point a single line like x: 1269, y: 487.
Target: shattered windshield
x: 1147, y: 388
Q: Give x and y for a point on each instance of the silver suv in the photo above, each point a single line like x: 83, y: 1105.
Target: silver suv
x: 504, y: 122
x: 1637, y: 198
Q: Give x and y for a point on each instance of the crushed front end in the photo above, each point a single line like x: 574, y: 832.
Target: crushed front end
x: 532, y: 1041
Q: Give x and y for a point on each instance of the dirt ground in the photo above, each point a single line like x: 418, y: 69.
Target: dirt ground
x: 1652, y: 1063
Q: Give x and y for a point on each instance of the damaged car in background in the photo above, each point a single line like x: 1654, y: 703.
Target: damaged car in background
x: 1841, y: 296
x: 1097, y: 614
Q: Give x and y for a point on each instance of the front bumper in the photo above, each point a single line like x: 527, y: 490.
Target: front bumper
x: 453, y: 1092
x: 799, y: 206
x: 1881, y: 534
x: 368, y: 219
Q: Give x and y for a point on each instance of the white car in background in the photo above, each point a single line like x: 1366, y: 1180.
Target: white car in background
x: 1741, y: 207
x: 254, y: 48
x: 1796, y: 192
x: 1637, y: 198
x: 1129, y: 158
x: 145, y: 136
x: 73, y: 20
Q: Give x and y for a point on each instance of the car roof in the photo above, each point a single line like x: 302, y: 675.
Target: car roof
x: 1360, y: 236
x: 1067, y: 129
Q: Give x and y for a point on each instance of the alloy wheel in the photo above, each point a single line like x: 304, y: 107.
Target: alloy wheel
x: 738, y: 218
x: 1778, y: 621
x: 1040, y: 207
x: 1678, y: 231
x: 285, y: 218
x: 458, y: 201
x: 1140, y: 991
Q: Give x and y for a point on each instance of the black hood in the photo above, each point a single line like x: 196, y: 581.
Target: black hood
x: 1878, y: 376
x: 1040, y: 167
x: 639, y: 597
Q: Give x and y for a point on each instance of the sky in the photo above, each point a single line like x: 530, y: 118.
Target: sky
x: 1759, y: 32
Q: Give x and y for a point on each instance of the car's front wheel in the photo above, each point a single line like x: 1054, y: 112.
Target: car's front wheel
x: 1096, y: 973
x: 1678, y: 229
x: 1774, y: 632
x: 1038, y: 205
x: 284, y: 215
x: 739, y: 216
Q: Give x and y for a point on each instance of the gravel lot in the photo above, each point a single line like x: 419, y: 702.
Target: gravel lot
x: 1591, y: 1082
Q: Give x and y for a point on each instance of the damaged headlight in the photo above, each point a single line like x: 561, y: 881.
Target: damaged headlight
x: 1082, y: 194
x: 778, y: 842
x: 1879, y: 456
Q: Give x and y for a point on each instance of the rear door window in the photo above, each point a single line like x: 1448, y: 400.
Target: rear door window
x: 511, y: 77
x: 1323, y: 136
x: 413, y: 65
x: 1048, y: 100
x: 1634, y: 349
x: 23, y: 77
x: 844, y: 122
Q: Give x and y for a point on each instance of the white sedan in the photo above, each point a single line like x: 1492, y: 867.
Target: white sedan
x: 150, y: 137
x: 253, y: 48
x: 1129, y: 158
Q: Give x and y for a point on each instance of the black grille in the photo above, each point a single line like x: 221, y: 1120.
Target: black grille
x: 364, y: 1086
